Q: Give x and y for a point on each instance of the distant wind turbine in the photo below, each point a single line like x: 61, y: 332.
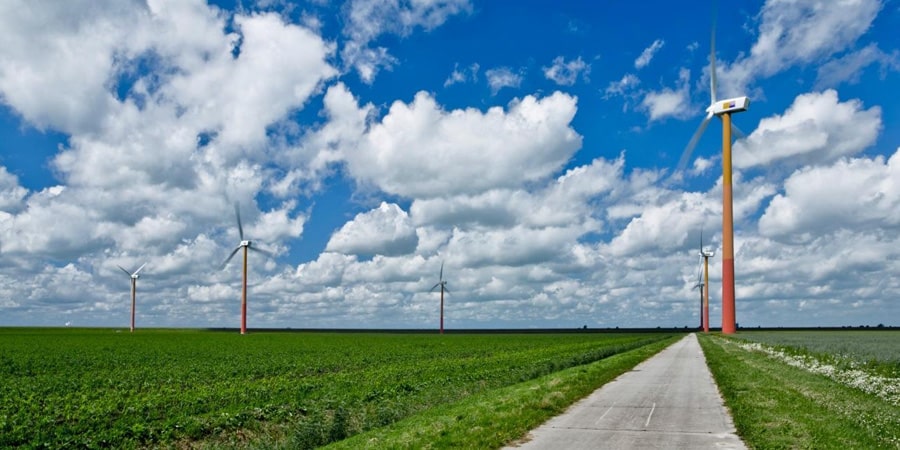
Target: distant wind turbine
x: 443, y: 285
x: 723, y: 109
x: 245, y: 245
x: 699, y: 286
x: 134, y: 277
x: 705, y: 254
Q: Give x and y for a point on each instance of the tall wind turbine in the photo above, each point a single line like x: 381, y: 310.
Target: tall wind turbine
x: 705, y: 254
x: 246, y: 245
x: 723, y: 109
x: 134, y: 277
x: 443, y: 285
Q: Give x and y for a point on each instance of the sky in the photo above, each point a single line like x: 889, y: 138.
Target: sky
x: 529, y: 147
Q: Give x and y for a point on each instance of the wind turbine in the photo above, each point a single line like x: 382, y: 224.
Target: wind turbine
x: 246, y: 245
x: 705, y: 254
x: 723, y: 109
x: 699, y: 286
x: 443, y: 285
x: 134, y: 277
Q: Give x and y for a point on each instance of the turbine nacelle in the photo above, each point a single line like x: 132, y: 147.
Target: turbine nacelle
x: 134, y: 275
x: 245, y: 244
x: 732, y: 105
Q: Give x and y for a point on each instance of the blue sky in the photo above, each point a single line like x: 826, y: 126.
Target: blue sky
x: 530, y: 147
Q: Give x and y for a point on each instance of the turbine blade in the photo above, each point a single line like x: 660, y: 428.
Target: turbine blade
x: 441, y: 277
x: 700, y: 270
x: 264, y: 252
x: 434, y: 287
x: 123, y: 270
x: 227, y: 260
x: 689, y: 148
x: 737, y: 131
x: 237, y: 214
x: 446, y: 289
x: 139, y: 269
x: 712, y: 63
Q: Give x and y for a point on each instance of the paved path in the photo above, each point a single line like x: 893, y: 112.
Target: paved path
x: 668, y: 401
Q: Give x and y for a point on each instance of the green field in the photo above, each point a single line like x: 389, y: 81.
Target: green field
x: 810, y: 389
x: 858, y: 345
x: 95, y: 388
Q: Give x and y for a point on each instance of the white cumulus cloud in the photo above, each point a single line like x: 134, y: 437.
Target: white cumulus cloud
x: 855, y: 193
x: 817, y: 128
x: 669, y: 102
x: 797, y: 33
x: 11, y: 193
x: 385, y: 230
x: 420, y: 150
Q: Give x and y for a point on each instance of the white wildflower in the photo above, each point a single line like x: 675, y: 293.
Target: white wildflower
x: 885, y: 388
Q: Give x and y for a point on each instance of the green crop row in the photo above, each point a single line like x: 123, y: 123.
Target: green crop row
x: 98, y: 388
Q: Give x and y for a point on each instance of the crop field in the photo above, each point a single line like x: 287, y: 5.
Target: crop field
x: 882, y: 346
x: 90, y: 388
x: 810, y: 389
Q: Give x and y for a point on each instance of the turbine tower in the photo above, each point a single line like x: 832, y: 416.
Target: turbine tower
x: 246, y: 245
x: 443, y: 285
x: 134, y: 277
x: 723, y: 109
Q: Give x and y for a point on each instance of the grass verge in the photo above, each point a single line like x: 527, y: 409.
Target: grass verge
x: 501, y: 416
x: 775, y: 405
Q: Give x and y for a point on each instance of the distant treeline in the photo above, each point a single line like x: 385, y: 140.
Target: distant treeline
x: 461, y: 331
x: 543, y: 330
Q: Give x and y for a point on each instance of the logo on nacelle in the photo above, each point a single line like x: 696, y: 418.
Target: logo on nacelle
x: 737, y: 104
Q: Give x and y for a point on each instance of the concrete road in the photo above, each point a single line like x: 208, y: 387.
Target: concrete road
x: 668, y: 402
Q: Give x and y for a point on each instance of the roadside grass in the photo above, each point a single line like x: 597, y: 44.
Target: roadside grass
x: 502, y: 416
x: 775, y: 405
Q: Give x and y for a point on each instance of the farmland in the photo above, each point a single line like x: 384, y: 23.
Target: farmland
x: 93, y: 388
x: 810, y: 389
x: 882, y: 346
